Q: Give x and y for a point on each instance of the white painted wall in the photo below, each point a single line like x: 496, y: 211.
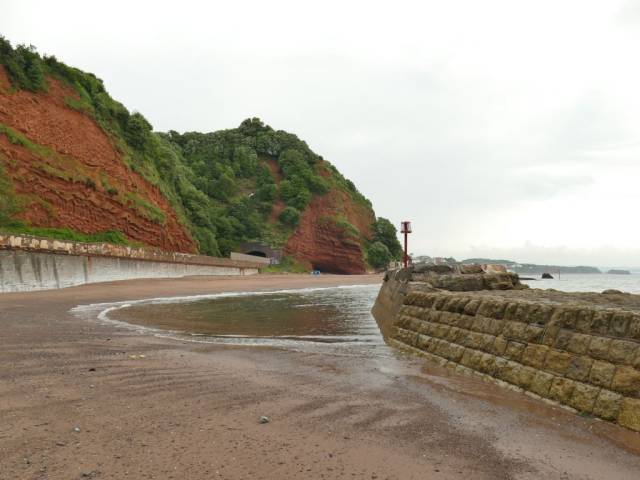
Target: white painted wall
x: 22, y: 271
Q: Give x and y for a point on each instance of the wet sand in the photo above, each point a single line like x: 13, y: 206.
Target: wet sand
x: 189, y: 410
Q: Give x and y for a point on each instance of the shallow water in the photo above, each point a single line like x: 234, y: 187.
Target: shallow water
x: 334, y: 320
x: 594, y: 282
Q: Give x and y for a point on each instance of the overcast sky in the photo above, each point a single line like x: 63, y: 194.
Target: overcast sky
x: 500, y: 128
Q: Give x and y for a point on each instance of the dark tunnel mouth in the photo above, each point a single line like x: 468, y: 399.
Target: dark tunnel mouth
x: 257, y: 253
x: 332, y: 270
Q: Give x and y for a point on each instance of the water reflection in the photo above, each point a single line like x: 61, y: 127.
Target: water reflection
x: 329, y: 315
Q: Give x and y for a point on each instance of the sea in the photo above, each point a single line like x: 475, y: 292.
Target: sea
x: 589, y: 282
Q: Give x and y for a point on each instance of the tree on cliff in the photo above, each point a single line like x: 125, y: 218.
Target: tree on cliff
x: 386, y: 233
x: 378, y: 255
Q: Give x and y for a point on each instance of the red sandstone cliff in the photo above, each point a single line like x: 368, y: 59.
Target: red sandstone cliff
x: 322, y: 243
x: 72, y: 176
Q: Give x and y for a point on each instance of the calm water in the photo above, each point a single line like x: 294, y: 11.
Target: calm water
x: 331, y: 319
x: 593, y: 282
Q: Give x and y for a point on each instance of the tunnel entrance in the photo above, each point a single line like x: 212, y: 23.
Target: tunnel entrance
x: 324, y: 268
x: 256, y: 253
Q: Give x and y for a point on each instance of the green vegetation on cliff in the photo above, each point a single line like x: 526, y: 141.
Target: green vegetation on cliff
x: 385, y: 245
x: 222, y: 185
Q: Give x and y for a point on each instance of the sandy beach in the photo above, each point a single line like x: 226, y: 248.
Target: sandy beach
x: 77, y: 401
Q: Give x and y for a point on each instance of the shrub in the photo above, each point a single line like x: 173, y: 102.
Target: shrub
x: 385, y: 232
x: 290, y: 216
x: 378, y: 255
x: 138, y: 131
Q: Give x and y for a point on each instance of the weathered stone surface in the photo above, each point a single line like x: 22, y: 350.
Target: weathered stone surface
x: 563, y: 339
x: 440, y: 301
x: 511, y: 310
x: 541, y: 383
x: 561, y: 389
x: 598, y: 347
x: 476, y: 359
x: 456, y: 353
x: 601, y: 373
x: 525, y: 377
x: 499, y: 281
x: 533, y: 333
x: 557, y: 362
x: 462, y: 303
x: 472, y: 268
x: 601, y: 321
x: 607, y: 405
x: 514, y: 351
x: 634, y: 327
x: 579, y: 368
x: 466, y: 357
x: 579, y: 343
x: 510, y: 372
x: 540, y: 314
x: 472, y: 307
x: 450, y: 305
x: 428, y: 267
x: 441, y: 331
x: 515, y: 330
x: 480, y: 324
x: 495, y: 327
x: 488, y: 364
x: 620, y: 324
x: 630, y: 414
x: 622, y: 351
x: 523, y: 312
x: 423, y: 342
x: 626, y: 380
x: 499, y: 345
x: 492, y: 308
x: 535, y: 355
x: 584, y: 321
x: 583, y: 397
x: 568, y: 316
x: 551, y: 332
x: 459, y: 283
x: 454, y: 334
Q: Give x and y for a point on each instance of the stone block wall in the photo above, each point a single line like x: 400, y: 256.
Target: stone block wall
x: 586, y: 357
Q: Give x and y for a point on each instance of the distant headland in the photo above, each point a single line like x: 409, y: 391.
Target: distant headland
x: 616, y: 271
x: 517, y: 267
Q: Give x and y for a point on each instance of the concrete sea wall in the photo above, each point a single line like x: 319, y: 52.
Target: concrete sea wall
x: 581, y: 351
x: 32, y: 263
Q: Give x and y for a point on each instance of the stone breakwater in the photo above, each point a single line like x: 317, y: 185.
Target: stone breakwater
x: 579, y: 350
x: 32, y: 263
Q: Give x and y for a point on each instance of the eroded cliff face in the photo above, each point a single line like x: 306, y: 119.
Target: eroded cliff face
x: 321, y: 240
x: 69, y: 174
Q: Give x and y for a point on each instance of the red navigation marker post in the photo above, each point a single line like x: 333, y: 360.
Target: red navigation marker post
x: 405, y: 228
